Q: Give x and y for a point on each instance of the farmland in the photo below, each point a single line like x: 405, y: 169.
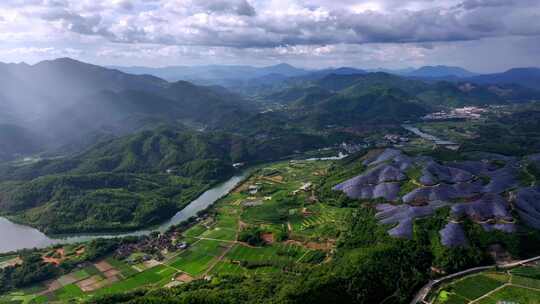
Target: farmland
x: 277, y: 204
x: 519, y: 285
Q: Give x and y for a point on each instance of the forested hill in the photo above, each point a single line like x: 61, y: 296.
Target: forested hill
x: 430, y: 94
x: 132, y: 181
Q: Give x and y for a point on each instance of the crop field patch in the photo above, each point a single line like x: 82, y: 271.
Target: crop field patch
x: 512, y: 294
x: 69, y: 292
x: 125, y: 269
x: 491, y: 288
x: 103, y: 266
x: 526, y: 282
x: 91, y: 270
x: 319, y: 220
x: 227, y: 268
x: 475, y: 286
x: 26, y: 295
x: 80, y: 274
x: 92, y: 283
x: 450, y: 298
x: 227, y: 221
x: 527, y: 271
x: 243, y: 253
x: 219, y: 233
x: 198, y: 258
x: 193, y: 263
x: 67, y: 279
x: 194, y: 231
x: 267, y: 213
x: 277, y: 253
x: 148, y: 277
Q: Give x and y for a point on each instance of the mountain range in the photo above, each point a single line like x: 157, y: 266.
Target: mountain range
x: 236, y: 75
x: 64, y: 105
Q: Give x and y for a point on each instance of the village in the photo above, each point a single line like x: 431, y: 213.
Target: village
x: 470, y: 112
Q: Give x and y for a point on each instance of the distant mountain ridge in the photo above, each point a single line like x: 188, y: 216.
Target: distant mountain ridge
x: 213, y: 72
x: 243, y: 75
x: 528, y: 77
x: 440, y: 71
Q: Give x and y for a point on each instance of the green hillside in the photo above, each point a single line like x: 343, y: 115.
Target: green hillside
x: 132, y: 181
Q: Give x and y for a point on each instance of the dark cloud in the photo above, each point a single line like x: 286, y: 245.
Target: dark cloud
x: 86, y: 25
x: 237, y: 7
x: 474, y: 4
x: 126, y: 5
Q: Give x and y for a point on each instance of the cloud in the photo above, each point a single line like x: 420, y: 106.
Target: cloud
x: 289, y: 29
x: 242, y: 24
x: 236, y: 7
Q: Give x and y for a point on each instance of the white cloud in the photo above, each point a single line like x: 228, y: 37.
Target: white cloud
x: 265, y: 28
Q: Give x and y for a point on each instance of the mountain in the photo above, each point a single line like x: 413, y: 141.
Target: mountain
x: 63, y: 100
x: 292, y: 94
x: 403, y: 71
x: 320, y: 74
x: 527, y: 77
x: 34, y: 91
x: 336, y: 82
x: 71, y: 78
x: 134, y: 180
x: 214, y: 73
x: 375, y: 106
x: 440, y: 71
x: 282, y: 69
x: 118, y: 184
x: 307, y: 96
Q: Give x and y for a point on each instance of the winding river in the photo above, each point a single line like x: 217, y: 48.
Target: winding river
x: 15, y: 237
x: 429, y: 137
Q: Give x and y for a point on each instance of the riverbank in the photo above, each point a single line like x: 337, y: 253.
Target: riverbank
x: 15, y: 236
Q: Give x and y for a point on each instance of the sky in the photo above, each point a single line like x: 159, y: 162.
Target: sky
x: 480, y: 35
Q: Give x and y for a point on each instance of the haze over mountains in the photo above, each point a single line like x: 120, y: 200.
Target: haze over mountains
x: 215, y: 73
x: 63, y: 99
x: 67, y: 104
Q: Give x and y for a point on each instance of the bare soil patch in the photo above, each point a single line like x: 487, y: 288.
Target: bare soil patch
x: 184, y: 277
x: 268, y: 238
x: 55, y: 260
x: 103, y: 266
x: 53, y: 286
x: 276, y: 179
x: 89, y: 284
x: 151, y: 263
x: 111, y: 273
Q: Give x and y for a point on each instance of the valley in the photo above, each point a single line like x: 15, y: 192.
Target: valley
x: 325, y: 186
x: 269, y: 152
x: 251, y: 231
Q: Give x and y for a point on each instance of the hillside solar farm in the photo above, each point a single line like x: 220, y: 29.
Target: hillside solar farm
x: 485, y: 188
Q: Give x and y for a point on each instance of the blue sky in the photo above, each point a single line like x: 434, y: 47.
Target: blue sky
x: 482, y: 35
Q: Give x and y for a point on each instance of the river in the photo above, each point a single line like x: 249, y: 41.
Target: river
x: 427, y: 136
x: 15, y: 237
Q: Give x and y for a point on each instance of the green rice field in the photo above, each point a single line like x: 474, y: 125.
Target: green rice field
x: 493, y: 288
x: 151, y: 276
